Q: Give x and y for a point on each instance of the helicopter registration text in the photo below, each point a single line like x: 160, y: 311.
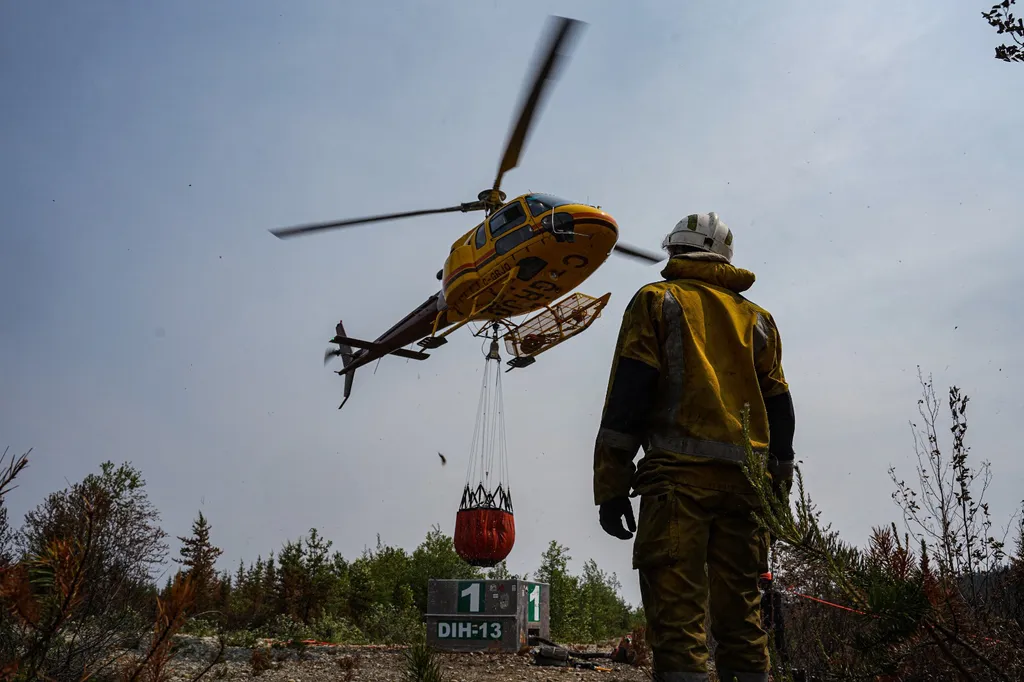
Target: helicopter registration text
x: 495, y: 275
x: 535, y: 292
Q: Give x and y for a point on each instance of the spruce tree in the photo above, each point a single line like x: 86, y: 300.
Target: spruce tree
x: 199, y: 557
x: 269, y: 589
x: 224, y: 594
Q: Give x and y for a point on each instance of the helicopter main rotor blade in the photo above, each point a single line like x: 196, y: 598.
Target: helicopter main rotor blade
x: 558, y: 34
x: 308, y: 228
x: 638, y: 253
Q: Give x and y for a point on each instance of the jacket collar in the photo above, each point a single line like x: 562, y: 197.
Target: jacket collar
x: 710, y: 268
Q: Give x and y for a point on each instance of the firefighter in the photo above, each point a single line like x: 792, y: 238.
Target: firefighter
x: 692, y: 351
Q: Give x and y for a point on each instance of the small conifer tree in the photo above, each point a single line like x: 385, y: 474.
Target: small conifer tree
x: 199, y: 557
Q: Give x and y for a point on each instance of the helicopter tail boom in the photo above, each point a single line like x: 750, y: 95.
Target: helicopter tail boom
x: 421, y: 322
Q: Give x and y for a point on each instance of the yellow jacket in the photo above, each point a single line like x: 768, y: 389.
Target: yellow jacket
x: 691, y: 352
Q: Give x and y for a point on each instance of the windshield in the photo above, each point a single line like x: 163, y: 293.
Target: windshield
x: 550, y: 200
x: 539, y: 203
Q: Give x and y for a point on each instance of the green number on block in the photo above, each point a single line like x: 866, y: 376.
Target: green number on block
x: 533, y: 610
x: 470, y: 597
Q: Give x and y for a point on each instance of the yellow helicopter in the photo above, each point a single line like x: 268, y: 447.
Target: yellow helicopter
x: 524, y: 256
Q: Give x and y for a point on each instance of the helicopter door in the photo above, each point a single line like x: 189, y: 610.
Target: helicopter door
x: 506, y: 219
x: 504, y: 230
x: 513, y: 239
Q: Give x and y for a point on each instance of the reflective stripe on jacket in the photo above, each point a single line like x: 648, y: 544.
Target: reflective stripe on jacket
x: 691, y: 352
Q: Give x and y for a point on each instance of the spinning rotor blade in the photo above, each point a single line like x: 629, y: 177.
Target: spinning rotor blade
x: 283, y: 233
x: 558, y: 35
x: 637, y: 253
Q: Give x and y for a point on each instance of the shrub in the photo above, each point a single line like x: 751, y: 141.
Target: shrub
x: 114, y: 598
x: 260, y: 660
x: 930, y: 605
x: 348, y: 665
x: 394, y: 625
x: 337, y: 631
x: 247, y: 639
x: 285, y: 627
x: 422, y: 665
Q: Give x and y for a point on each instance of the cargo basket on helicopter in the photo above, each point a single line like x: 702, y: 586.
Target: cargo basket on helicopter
x: 552, y: 326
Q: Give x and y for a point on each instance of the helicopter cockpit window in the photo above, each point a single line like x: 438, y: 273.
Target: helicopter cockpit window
x: 481, y: 236
x: 536, y: 206
x: 507, y: 218
x: 539, y: 203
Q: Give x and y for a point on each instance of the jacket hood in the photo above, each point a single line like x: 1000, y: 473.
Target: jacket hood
x: 710, y: 268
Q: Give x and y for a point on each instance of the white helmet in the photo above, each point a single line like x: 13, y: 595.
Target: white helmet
x: 702, y: 231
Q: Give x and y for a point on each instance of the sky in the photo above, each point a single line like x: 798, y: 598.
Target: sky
x: 866, y: 156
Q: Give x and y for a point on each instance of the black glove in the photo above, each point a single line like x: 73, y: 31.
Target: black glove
x: 612, y: 512
x: 782, y: 476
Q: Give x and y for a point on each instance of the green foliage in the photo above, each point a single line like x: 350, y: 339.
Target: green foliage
x: 389, y: 568
x: 500, y: 572
x: 380, y: 597
x: 285, y: 627
x: 337, y: 630
x: 303, y: 591
x: 62, y: 625
x: 8, y: 634
x: 6, y: 539
x: 393, y: 624
x: 242, y: 638
x: 115, y: 602
x: 584, y: 608
x: 199, y: 557
x: 200, y: 627
x: 564, y: 606
x: 436, y: 558
x: 1001, y: 18
x: 603, y: 613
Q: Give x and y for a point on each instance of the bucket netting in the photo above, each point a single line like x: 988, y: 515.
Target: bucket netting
x: 484, y: 525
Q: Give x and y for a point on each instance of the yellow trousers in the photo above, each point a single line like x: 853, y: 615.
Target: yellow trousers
x: 693, y: 544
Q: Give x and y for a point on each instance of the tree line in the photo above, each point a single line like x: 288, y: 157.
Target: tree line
x: 307, y: 591
x: 78, y: 581
x: 941, y: 599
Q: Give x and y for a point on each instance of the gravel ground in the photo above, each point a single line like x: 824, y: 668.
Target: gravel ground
x: 378, y: 664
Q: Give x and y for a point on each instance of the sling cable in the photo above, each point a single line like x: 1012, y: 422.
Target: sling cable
x: 485, y: 528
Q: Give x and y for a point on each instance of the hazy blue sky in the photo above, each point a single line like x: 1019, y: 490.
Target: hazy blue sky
x: 867, y: 156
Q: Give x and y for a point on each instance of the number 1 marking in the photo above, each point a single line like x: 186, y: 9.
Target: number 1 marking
x: 534, y: 603
x: 473, y: 592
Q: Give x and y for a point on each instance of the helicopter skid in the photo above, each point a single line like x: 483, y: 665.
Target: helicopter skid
x: 432, y: 342
x: 516, y: 363
x: 435, y: 340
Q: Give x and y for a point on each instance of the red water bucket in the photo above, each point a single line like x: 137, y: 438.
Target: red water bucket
x: 484, y: 535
